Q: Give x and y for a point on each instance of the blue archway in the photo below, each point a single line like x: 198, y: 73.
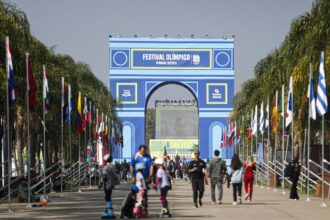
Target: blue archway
x: 204, y: 66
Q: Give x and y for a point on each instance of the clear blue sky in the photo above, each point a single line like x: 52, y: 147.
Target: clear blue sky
x: 80, y: 28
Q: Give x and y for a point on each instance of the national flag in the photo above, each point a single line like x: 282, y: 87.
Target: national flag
x: 85, y: 112
x: 289, y: 109
x: 32, y: 88
x: 311, y: 96
x: 281, y: 107
x: 12, y: 91
x: 261, y: 120
x: 267, y: 111
x: 101, y: 128
x: 221, y: 140
x: 70, y: 105
x: 80, y: 124
x: 45, y: 90
x: 322, y: 99
x: 275, y: 114
x: 255, y: 123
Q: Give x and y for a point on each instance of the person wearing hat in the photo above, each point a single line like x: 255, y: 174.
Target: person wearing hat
x: 129, y: 203
x: 198, y: 173
x: 162, y: 183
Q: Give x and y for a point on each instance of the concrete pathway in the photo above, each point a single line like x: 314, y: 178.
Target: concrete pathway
x: 90, y: 204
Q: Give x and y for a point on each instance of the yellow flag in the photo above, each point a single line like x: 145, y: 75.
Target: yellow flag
x: 79, y: 104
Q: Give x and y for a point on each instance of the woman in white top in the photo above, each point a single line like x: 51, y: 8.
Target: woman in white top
x: 162, y: 183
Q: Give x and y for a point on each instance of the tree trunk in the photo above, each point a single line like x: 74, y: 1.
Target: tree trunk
x: 18, y: 142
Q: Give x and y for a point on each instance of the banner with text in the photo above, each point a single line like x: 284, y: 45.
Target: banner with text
x: 172, y: 147
x: 171, y: 58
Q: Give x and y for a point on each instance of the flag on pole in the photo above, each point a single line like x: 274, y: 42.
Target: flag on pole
x: 275, y: 114
x: 281, y: 109
x: 45, y: 90
x: 321, y: 100
x: 32, y: 88
x: 289, y: 109
x: 261, y: 120
x: 12, y: 91
x: 80, y: 124
x: 221, y: 140
x: 101, y: 128
x: 255, y: 123
x: 70, y: 105
x: 267, y: 112
x: 311, y: 96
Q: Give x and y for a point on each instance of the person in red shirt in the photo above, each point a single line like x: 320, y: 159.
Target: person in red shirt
x: 249, y: 178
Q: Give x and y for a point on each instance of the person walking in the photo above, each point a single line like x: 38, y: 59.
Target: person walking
x: 110, y: 180
x: 249, y: 178
x: 198, y: 173
x: 237, y: 178
x: 125, y: 168
x: 294, y: 177
x: 142, y: 156
x: 216, y: 170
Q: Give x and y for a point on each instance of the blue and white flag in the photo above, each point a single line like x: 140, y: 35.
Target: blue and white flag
x: 267, y: 111
x: 261, y: 120
x: 311, y: 96
x: 255, y: 123
x: 321, y: 101
x: 70, y: 105
x: 289, y: 109
x: 260, y: 153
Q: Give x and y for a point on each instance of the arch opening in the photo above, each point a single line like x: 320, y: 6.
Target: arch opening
x: 171, y: 120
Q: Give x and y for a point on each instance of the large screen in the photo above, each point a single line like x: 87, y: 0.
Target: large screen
x: 176, y: 122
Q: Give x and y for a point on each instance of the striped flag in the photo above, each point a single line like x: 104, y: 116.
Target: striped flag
x: 45, y: 89
x: 267, y: 112
x: 322, y: 100
x: 70, y: 105
x: 255, y: 123
x: 289, y: 109
x: 10, y: 73
x: 261, y: 120
x: 311, y: 96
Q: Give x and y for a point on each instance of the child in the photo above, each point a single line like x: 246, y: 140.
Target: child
x: 163, y: 183
x: 129, y: 203
x: 110, y: 180
x: 141, y: 185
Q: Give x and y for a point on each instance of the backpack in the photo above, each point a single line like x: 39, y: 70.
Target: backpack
x: 237, y: 176
x: 288, y: 170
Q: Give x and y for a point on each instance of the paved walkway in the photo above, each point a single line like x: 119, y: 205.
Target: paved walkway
x: 90, y: 204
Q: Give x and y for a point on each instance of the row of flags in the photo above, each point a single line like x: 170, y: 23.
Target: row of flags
x: 83, y: 112
x: 318, y: 105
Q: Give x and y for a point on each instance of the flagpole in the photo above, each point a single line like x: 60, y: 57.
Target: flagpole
x: 69, y: 115
x: 85, y: 148
x: 275, y: 182
x: 243, y: 136
x: 79, y: 141
x: 292, y: 127
x: 309, y: 130
x: 28, y: 129
x: 90, y: 142
x: 252, y: 133
x: 10, y: 211
x: 323, y: 203
x: 256, y: 143
x: 62, y: 138
x: 283, y: 133
x: 268, y: 151
x: 44, y: 127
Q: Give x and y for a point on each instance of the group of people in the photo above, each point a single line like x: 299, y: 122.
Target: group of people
x: 142, y: 174
x: 218, y: 174
x: 158, y: 174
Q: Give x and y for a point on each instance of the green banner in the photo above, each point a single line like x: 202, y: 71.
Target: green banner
x: 172, y: 147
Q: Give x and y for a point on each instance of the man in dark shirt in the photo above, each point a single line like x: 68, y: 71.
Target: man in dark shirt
x: 198, y: 173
